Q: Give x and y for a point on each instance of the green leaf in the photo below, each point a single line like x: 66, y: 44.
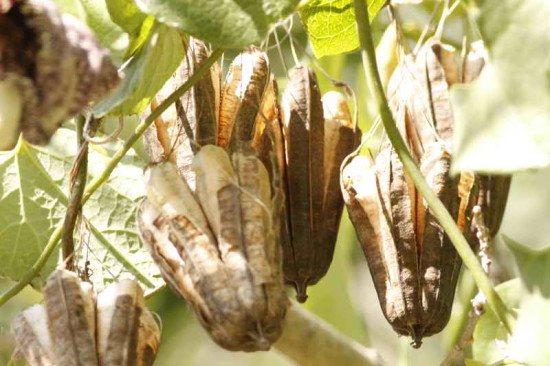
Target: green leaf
x: 224, y: 23
x: 94, y: 13
x: 145, y: 74
x: 489, y: 335
x: 470, y: 362
x: 133, y: 21
x: 533, y: 265
x: 126, y: 15
x: 33, y: 182
x: 32, y: 204
x: 529, y: 343
x: 503, y: 119
x: 330, y: 24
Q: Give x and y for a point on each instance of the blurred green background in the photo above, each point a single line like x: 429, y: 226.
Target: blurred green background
x: 346, y: 296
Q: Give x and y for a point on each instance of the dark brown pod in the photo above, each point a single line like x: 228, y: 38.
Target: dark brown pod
x: 341, y: 138
x: 192, y: 121
x: 56, y: 64
x: 318, y: 135
x: 304, y: 133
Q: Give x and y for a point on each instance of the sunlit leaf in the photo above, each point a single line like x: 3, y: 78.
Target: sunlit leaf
x: 533, y: 265
x: 529, y: 342
x: 133, y: 21
x: 95, y: 15
x: 224, y: 23
x: 503, y: 119
x: 145, y: 73
x: 33, y: 198
x: 330, y: 24
x: 490, y: 336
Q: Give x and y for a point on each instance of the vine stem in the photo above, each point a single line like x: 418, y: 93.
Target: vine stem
x: 79, y: 175
x: 140, y: 129
x: 436, y: 206
x: 102, y: 178
x: 311, y: 341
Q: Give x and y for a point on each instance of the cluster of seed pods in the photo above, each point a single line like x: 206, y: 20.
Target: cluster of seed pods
x: 76, y: 326
x: 242, y: 193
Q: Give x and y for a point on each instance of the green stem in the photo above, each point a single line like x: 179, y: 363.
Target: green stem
x: 75, y: 195
x: 140, y: 129
x: 436, y: 206
x: 36, y: 267
x: 102, y: 178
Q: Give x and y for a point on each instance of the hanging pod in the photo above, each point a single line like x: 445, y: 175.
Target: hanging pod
x: 217, y: 248
x: 413, y: 263
x: 318, y: 134
x: 438, y: 71
x: 51, y: 68
x: 242, y: 96
x: 212, y: 227
x: 493, y: 188
x: 73, y: 328
x: 192, y: 121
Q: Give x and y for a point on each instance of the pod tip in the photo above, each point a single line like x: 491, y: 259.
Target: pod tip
x: 301, y: 292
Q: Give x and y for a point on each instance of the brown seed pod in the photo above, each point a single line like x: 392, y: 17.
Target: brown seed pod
x: 70, y: 306
x: 437, y: 72
x: 192, y: 122
x: 126, y: 332
x: 64, y: 331
x: 241, y: 98
x: 314, y: 146
x: 304, y: 133
x: 55, y: 62
x: 30, y: 329
x: 412, y: 261
x: 494, y: 188
x: 67, y: 332
x: 341, y: 139
x: 221, y: 255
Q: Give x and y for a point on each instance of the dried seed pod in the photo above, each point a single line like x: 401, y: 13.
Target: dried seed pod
x: 192, y: 122
x: 412, y: 261
x: 64, y: 331
x: 340, y: 140
x: 230, y: 276
x: 303, y: 121
x: 474, y: 62
x: 126, y: 334
x: 241, y: 98
x: 269, y: 112
x: 56, y: 63
x: 70, y: 307
x: 494, y: 188
x: 438, y: 71
x: 30, y: 328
